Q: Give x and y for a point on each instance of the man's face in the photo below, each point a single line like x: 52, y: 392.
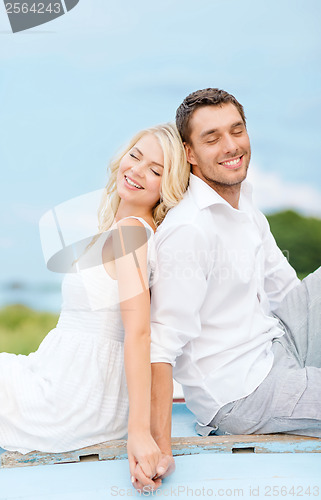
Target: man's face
x: 219, y: 148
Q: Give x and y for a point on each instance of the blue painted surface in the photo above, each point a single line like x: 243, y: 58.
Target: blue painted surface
x: 223, y: 476
x: 183, y: 421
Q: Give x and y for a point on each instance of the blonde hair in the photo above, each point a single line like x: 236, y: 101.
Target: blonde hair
x: 173, y: 184
x: 174, y: 180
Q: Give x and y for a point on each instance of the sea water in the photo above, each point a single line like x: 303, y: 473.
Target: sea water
x: 38, y: 296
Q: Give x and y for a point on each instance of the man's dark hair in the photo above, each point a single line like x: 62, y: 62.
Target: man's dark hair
x: 198, y: 99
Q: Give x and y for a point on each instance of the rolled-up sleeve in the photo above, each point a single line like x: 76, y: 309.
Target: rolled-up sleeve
x: 179, y: 291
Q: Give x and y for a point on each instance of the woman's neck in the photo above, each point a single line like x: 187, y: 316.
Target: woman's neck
x: 127, y: 210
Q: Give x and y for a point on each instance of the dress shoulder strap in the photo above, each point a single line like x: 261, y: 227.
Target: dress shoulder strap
x: 148, y: 226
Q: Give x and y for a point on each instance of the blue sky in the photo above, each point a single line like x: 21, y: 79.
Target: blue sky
x: 73, y: 90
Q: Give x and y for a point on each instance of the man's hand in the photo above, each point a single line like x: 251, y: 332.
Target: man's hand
x: 166, y: 466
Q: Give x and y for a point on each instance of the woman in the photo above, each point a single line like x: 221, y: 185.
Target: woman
x: 72, y: 391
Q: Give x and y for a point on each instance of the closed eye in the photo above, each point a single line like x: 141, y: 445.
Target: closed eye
x: 133, y: 156
x: 156, y: 173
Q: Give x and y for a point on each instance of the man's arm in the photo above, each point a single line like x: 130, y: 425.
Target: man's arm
x: 161, y: 406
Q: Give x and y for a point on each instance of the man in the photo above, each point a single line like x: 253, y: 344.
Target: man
x: 229, y: 316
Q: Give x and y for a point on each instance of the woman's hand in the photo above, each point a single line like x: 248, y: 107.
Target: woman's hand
x: 165, y: 467
x: 143, y: 454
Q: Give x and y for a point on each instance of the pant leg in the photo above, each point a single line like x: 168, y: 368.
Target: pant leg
x: 288, y: 400
x: 300, y: 312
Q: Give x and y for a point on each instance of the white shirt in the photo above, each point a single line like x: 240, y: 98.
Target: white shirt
x: 220, y: 276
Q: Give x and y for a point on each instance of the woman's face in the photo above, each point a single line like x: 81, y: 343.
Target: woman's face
x: 140, y: 173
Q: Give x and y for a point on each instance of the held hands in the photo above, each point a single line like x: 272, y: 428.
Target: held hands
x: 146, y: 462
x: 165, y: 467
x: 142, y: 483
x: 143, y: 456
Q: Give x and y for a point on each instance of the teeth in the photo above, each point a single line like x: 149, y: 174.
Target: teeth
x: 131, y: 183
x: 233, y: 162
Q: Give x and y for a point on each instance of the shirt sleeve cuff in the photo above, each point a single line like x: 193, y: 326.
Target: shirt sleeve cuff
x: 157, y: 355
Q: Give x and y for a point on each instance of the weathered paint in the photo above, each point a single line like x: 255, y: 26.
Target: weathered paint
x: 116, y: 450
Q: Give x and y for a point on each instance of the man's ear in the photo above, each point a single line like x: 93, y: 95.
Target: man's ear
x: 189, y: 153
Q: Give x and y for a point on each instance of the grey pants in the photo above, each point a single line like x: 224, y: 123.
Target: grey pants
x: 289, y: 399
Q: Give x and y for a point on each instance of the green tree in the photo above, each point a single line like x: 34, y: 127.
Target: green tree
x: 299, y: 238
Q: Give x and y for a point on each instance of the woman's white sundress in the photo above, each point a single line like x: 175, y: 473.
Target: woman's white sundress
x: 72, y: 391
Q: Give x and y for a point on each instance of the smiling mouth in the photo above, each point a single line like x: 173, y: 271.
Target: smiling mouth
x: 132, y: 183
x: 232, y: 164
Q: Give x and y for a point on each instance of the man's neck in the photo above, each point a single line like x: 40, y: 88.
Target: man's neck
x: 231, y: 194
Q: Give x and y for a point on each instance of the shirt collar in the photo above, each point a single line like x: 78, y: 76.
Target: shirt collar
x: 205, y: 196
